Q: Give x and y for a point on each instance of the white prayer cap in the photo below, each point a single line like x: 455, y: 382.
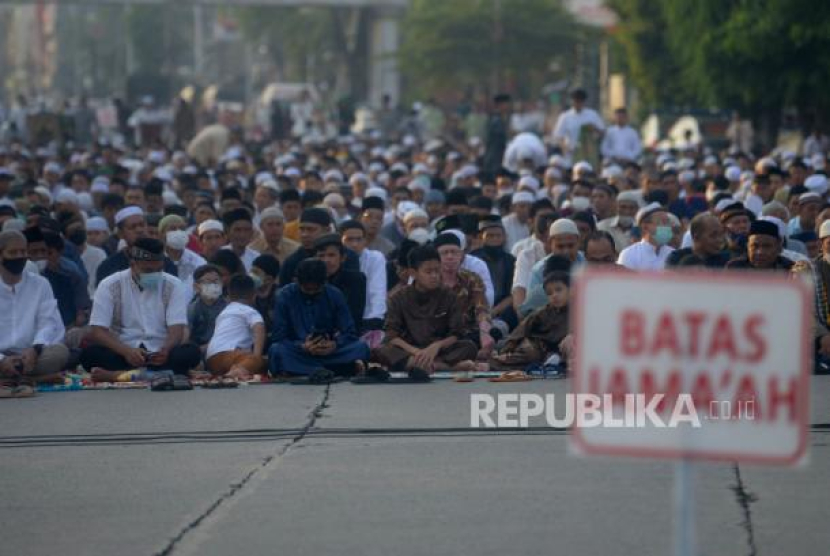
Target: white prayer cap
x: 467, y: 171
x: 630, y: 196
x: 553, y: 172
x: 358, y: 177
x: 522, y: 197
x: 43, y: 190
x: 66, y: 195
x: 529, y: 182
x: 723, y: 203
x: 733, y: 173
x: 415, y: 213
x: 269, y: 183
x: 563, y: 227
x: 818, y: 161
x: 817, y: 183
x: 101, y: 184
x: 292, y: 173
x: 686, y: 163
x: 399, y: 167
x: 559, y: 161
x: 647, y: 211
x: 420, y: 183
x: 582, y: 167
x: 269, y: 213
x: 433, y: 145
x: 97, y: 224
x: 686, y: 176
x: 334, y: 201
x: 210, y: 226
x: 377, y: 192
x: 810, y: 197
x: 611, y: 172
x: 824, y: 231
x: 85, y: 201
x: 420, y: 168
x: 52, y: 168
x: 404, y: 207
x: 14, y: 224
x: 376, y: 167
x: 127, y: 212
x: 709, y: 160
x: 333, y: 175
x: 164, y: 174
x: 157, y: 157
x: 261, y: 177
x: 169, y: 198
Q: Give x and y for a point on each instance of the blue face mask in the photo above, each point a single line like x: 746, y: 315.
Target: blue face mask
x: 663, y: 235
x: 149, y: 280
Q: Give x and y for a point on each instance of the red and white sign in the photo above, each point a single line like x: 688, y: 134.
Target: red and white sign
x: 737, y: 347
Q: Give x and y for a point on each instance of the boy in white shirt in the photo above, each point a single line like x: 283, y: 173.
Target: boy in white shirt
x: 235, y: 351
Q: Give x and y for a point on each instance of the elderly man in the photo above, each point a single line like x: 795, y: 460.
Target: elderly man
x: 619, y: 226
x: 763, y: 251
x: 139, y: 319
x: 272, y: 241
x: 809, y: 205
x: 130, y: 225
x: 708, y: 244
x: 31, y: 329
x: 172, y: 229
x: 517, y: 223
x: 651, y: 252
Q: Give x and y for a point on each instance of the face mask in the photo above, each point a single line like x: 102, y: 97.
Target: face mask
x: 15, y: 266
x: 41, y: 265
x: 149, y: 280
x: 257, y: 280
x: 177, y: 239
x: 663, y: 235
x: 211, y: 291
x: 625, y: 221
x: 78, y: 237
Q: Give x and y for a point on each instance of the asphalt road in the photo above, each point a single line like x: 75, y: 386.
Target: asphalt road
x: 295, y: 470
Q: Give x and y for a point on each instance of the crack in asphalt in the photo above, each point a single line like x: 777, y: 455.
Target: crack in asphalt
x: 235, y: 488
x: 745, y: 499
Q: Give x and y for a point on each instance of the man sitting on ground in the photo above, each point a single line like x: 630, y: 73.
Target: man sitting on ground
x: 31, y: 329
x: 139, y: 319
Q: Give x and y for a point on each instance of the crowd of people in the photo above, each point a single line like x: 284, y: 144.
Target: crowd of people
x: 365, y: 255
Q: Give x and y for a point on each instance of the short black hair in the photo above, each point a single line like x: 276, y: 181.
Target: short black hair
x: 154, y: 187
x: 556, y: 263
x: 352, y: 225
x: 311, y: 272
x: 579, y: 94
x: 481, y: 202
x: 178, y: 210
x: 227, y: 259
x: 231, y: 193
x: 289, y: 196
x: 421, y: 254
x: 149, y: 244
x: 235, y: 215
x: 241, y: 286
x: 268, y: 264
x: 557, y: 276
x: 53, y: 241
x: 540, y: 204
x: 329, y: 240
x: 312, y: 198
x: 112, y: 200
x: 205, y: 269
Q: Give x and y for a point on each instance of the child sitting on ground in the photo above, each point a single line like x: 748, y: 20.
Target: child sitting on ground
x: 424, y: 326
x: 206, y: 305
x: 235, y: 351
x: 539, y: 335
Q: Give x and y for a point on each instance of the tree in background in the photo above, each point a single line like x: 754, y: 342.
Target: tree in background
x: 450, y: 46
x: 759, y: 57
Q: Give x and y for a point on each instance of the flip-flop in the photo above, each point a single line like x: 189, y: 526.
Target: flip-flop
x: 511, y: 376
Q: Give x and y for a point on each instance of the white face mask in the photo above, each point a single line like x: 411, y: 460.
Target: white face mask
x: 41, y: 265
x: 177, y: 239
x: 211, y: 291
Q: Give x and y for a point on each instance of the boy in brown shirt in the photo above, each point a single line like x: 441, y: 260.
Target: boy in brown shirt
x: 424, y: 325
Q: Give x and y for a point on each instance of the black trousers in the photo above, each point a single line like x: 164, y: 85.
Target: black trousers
x: 181, y: 359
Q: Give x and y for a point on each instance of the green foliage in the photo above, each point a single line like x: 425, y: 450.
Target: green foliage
x: 448, y: 45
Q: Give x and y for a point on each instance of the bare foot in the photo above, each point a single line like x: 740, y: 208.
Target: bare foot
x: 239, y: 373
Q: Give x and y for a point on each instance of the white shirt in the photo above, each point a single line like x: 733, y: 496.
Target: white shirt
x: 529, y: 241
x: 247, y: 257
x: 28, y: 314
x: 92, y: 258
x: 525, y: 262
x: 139, y: 316
x: 569, y: 124
x: 621, y: 143
x: 234, y: 329
x: 514, y: 230
x: 373, y: 265
x: 644, y: 256
x: 474, y: 264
